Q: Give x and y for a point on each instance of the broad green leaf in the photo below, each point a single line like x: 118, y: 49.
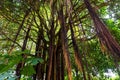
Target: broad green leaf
x: 34, y: 61
x: 3, y: 68
x: 28, y: 70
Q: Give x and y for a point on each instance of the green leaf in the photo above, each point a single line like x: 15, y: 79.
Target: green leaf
x: 3, y: 68
x: 8, y: 61
x: 19, y: 52
x: 28, y: 70
x: 34, y: 61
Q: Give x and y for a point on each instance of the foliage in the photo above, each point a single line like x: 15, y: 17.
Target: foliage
x: 56, y: 40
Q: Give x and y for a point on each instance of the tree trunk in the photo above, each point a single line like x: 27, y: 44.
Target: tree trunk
x: 65, y: 44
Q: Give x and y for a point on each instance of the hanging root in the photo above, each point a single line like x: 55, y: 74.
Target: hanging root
x: 103, y: 33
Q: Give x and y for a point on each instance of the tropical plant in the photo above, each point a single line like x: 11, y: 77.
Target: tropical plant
x: 59, y: 39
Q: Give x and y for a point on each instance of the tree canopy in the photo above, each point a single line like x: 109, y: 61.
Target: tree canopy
x: 59, y: 39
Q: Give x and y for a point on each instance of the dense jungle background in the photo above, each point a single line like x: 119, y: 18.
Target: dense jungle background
x: 59, y: 39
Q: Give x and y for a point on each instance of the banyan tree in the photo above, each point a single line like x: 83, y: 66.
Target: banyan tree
x: 52, y: 39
